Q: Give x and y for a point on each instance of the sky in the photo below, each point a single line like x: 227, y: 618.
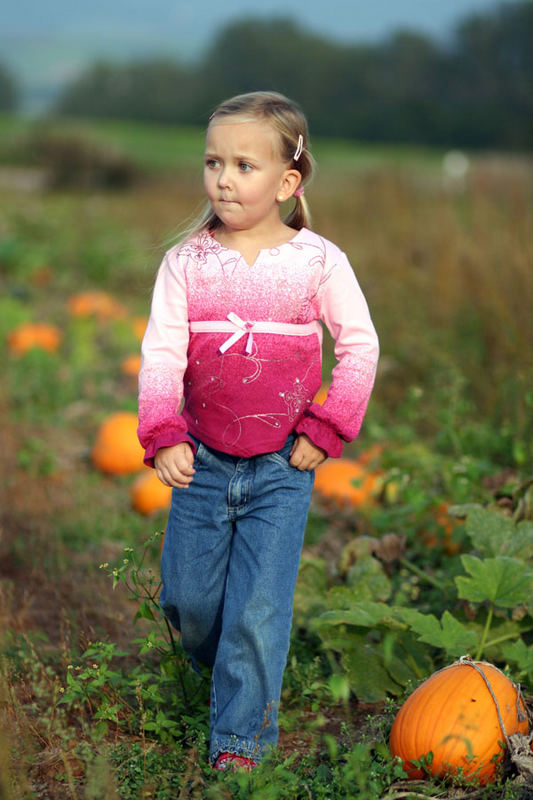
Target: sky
x: 48, y: 43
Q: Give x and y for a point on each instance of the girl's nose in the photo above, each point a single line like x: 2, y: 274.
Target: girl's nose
x: 223, y: 178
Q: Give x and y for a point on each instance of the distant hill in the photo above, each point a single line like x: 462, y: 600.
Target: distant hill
x: 46, y: 47
x: 43, y: 65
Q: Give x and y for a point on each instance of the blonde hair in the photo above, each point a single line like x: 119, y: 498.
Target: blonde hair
x: 288, y: 120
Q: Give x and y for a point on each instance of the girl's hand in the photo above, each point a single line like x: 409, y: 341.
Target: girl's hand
x: 174, y: 465
x: 305, y: 455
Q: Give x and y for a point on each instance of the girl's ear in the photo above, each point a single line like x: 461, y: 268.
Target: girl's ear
x: 290, y: 180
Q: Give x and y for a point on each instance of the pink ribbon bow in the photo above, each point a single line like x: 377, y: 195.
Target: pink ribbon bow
x: 243, y: 329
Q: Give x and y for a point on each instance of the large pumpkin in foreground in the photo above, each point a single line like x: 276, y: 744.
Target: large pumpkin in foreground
x: 117, y: 449
x: 453, y: 716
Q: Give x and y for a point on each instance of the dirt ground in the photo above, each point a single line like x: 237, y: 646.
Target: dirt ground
x: 80, y: 602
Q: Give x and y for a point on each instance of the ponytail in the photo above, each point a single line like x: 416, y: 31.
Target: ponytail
x: 300, y: 216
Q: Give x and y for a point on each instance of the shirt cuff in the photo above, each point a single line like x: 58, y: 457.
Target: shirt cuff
x: 321, y: 433
x: 167, y: 439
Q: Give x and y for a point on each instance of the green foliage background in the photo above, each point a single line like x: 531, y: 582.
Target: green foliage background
x: 95, y: 705
x: 473, y: 91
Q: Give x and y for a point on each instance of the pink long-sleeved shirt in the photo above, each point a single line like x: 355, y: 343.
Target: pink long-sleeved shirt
x: 240, y: 345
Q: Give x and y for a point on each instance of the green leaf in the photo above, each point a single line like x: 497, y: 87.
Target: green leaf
x: 71, y: 680
x: 410, y: 661
x: 347, y: 596
x: 369, y: 679
x: 503, y: 581
x: 520, y: 654
x: 489, y: 531
x: 335, y: 639
x: 145, y: 612
x: 368, y: 577
x: 462, y: 510
x: 521, y: 545
x: 310, y: 592
x: 109, y: 712
x: 502, y: 632
x: 339, y: 686
x: 448, y: 634
x: 363, y: 614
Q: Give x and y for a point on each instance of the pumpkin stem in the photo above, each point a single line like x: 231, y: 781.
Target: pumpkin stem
x: 421, y: 574
x: 485, y: 633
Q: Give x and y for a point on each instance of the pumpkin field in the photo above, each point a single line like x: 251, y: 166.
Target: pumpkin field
x: 417, y: 562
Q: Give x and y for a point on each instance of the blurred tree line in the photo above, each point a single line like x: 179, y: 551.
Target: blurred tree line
x: 476, y: 90
x: 8, y: 90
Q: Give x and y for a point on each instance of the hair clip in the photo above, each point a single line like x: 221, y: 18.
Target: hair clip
x: 299, y: 192
x: 299, y: 147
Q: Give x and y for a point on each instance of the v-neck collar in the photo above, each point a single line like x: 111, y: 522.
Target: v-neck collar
x: 271, y: 250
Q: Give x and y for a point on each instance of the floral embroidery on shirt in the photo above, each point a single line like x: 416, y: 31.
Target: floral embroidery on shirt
x: 248, y: 403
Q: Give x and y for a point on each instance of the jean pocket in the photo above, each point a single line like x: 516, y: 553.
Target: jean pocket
x: 282, y: 455
x: 199, y: 450
x: 277, y: 458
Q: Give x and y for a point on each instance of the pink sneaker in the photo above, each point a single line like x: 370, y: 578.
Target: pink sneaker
x: 232, y: 761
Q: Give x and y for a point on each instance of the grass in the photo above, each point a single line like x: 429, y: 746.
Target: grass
x: 446, y: 270
x: 167, y: 148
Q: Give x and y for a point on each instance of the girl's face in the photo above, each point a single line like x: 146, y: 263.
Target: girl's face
x: 244, y: 176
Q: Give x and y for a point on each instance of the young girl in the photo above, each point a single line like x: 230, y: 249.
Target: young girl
x: 235, y: 332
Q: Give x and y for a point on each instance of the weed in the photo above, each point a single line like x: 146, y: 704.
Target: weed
x: 96, y: 707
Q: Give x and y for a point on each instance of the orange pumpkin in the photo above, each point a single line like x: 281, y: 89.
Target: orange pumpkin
x: 28, y: 336
x: 453, y: 716
x: 117, y: 449
x: 95, y: 303
x: 131, y: 365
x: 322, y: 393
x: 139, y: 327
x: 148, y: 494
x: 447, y: 526
x: 346, y: 482
x: 370, y: 454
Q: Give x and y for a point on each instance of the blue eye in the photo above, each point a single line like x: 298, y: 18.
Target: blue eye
x: 211, y: 163
x: 244, y: 167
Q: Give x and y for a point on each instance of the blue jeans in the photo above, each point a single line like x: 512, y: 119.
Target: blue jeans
x: 229, y: 567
